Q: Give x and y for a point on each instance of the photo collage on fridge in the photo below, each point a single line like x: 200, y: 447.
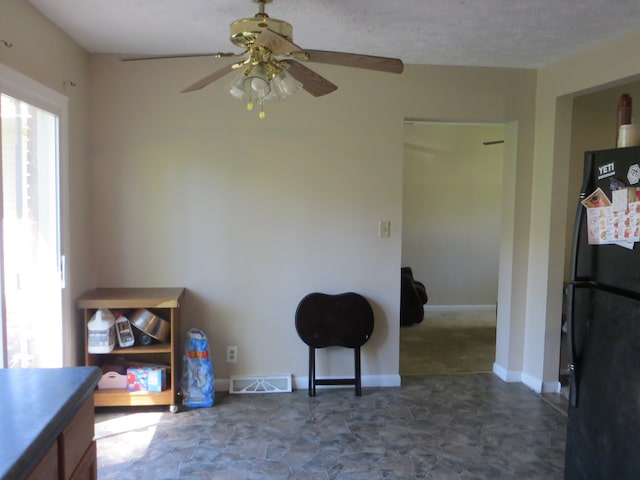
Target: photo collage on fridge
x: 615, y: 219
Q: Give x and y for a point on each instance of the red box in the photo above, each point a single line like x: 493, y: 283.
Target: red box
x: 146, y: 379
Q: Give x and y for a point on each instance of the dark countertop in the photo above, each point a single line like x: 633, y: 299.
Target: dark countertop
x: 36, y: 404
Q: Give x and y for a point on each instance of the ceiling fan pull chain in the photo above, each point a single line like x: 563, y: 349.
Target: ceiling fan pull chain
x: 261, y: 115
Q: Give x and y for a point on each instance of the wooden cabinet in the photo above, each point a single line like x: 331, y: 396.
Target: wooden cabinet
x: 47, y: 423
x: 87, y: 468
x: 73, y: 455
x: 164, y: 302
x: 47, y: 468
x: 76, y: 448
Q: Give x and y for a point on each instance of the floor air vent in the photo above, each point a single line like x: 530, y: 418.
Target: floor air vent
x: 257, y: 384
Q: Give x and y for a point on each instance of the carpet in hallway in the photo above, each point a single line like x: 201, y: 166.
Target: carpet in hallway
x: 449, y: 342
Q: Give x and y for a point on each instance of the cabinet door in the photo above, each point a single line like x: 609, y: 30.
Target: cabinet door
x: 47, y: 468
x: 76, y: 439
x: 87, y: 469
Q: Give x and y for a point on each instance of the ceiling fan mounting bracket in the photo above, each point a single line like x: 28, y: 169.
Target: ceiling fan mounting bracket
x: 245, y: 31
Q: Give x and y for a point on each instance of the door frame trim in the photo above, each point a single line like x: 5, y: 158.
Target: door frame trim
x: 24, y: 88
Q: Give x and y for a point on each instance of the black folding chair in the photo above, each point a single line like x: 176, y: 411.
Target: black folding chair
x: 344, y: 320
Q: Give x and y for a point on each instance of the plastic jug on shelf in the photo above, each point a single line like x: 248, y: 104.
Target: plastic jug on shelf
x: 102, y: 332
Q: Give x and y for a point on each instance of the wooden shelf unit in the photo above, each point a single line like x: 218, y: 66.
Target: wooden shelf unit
x: 164, y: 302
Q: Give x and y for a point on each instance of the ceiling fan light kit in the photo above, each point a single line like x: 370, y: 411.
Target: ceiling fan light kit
x: 262, y: 78
x: 272, y: 68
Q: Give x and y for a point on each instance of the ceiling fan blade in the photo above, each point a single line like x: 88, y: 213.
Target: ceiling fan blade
x: 276, y: 44
x: 313, y: 83
x: 369, y: 62
x: 209, y: 79
x: 186, y: 55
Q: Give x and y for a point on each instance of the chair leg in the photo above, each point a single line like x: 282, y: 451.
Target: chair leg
x: 356, y: 353
x: 312, y: 372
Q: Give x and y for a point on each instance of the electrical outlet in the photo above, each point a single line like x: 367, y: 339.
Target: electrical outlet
x: 232, y: 354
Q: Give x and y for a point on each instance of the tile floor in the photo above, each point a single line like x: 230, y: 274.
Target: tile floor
x: 433, y: 427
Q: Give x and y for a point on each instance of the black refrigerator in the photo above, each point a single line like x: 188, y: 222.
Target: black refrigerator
x: 603, y: 311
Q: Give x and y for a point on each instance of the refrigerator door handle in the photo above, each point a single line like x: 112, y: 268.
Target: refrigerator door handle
x: 575, y: 240
x: 574, y: 371
x: 579, y: 228
x: 573, y: 374
x: 579, y: 222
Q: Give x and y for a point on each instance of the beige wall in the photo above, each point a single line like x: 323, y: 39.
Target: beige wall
x: 451, y: 210
x: 45, y: 54
x: 251, y: 215
x: 604, y: 66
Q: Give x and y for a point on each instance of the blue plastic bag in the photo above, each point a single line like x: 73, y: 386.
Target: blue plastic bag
x: 197, y: 376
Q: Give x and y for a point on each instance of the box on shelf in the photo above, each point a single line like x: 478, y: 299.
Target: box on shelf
x: 112, y: 380
x: 147, y: 378
x: 114, y: 375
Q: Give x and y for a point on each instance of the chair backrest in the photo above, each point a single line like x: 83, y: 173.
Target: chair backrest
x: 344, y: 320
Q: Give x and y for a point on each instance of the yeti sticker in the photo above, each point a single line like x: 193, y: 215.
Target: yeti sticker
x: 633, y: 175
x: 605, y: 171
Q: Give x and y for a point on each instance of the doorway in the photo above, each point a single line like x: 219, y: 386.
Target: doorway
x: 30, y: 242
x: 452, y: 204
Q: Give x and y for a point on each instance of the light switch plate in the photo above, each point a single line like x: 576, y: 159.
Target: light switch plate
x: 384, y: 229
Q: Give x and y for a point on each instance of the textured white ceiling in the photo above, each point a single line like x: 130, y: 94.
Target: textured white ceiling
x: 502, y: 33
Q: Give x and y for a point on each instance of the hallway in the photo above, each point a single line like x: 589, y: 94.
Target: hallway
x: 449, y: 341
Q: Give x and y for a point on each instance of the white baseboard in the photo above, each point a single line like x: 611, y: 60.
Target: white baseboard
x: 505, y: 375
x: 302, y: 383
x: 551, y: 387
x: 530, y: 381
x: 539, y: 386
x: 535, y: 384
x: 367, y: 381
x: 457, y: 308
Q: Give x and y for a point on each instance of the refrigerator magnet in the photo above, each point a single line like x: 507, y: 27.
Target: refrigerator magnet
x: 597, y: 199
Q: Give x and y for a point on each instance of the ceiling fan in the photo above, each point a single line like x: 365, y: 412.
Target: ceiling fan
x: 271, y: 66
